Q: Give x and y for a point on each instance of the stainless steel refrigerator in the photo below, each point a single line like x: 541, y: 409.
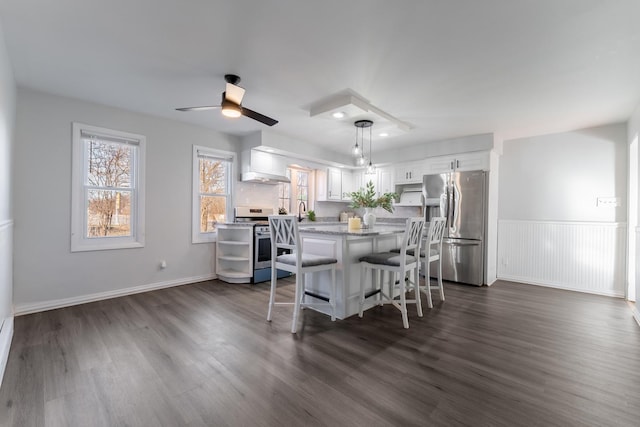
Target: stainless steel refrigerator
x: 461, y: 198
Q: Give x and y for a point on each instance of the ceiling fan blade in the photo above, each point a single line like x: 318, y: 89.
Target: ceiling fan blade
x: 208, y: 107
x: 259, y: 117
x: 235, y: 93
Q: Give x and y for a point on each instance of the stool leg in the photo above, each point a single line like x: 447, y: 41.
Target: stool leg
x: 427, y: 281
x: 272, y: 295
x: 416, y: 288
x: 332, y: 296
x: 403, y: 303
x: 363, y: 272
x: 440, y: 278
x: 296, y: 301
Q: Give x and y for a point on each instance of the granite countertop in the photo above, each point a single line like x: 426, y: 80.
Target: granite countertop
x: 341, y: 229
x: 238, y: 224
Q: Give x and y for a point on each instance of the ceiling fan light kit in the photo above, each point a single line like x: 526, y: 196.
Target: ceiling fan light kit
x: 231, y: 105
x: 229, y: 109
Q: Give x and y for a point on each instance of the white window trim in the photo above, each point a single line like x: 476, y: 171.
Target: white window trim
x: 196, y: 235
x: 79, y: 242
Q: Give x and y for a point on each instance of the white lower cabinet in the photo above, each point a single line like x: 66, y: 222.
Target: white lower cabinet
x: 234, y: 253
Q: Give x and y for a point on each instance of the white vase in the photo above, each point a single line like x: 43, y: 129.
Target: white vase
x: 369, y: 218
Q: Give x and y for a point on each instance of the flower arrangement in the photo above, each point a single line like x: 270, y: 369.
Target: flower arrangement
x: 366, y: 198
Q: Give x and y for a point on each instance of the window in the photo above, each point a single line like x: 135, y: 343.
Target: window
x: 212, y: 190
x: 284, y: 195
x: 107, y: 189
x: 291, y: 195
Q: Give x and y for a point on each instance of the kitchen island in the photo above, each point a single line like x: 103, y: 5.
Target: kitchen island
x: 347, y: 246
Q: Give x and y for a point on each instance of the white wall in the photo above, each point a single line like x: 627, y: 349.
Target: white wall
x: 7, y: 115
x: 633, y: 132
x: 558, y: 177
x: 46, y: 273
x: 548, y: 188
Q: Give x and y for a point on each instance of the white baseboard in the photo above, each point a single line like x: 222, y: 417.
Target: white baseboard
x: 22, y: 309
x: 529, y: 281
x: 6, y: 335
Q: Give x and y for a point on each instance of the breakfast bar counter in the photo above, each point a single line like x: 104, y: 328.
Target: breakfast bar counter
x: 347, y: 246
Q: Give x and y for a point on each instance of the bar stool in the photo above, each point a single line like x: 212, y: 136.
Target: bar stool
x: 432, y: 245
x: 433, y: 252
x: 284, y: 235
x: 395, y: 263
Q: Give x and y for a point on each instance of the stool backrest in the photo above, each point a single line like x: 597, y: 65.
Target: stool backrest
x: 284, y: 233
x: 413, y: 235
x: 436, y: 231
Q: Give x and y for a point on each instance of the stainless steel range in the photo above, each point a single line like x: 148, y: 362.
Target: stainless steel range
x: 261, y: 241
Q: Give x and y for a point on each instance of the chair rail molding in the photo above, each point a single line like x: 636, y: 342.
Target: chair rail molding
x: 580, y: 256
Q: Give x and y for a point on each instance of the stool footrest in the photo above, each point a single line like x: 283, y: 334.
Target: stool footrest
x: 372, y: 293
x: 313, y: 294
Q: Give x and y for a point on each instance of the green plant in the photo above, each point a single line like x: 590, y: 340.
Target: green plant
x: 366, y: 198
x: 311, y: 215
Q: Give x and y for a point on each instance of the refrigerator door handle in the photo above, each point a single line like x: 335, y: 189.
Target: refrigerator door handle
x: 454, y: 243
x: 452, y: 206
x: 444, y: 203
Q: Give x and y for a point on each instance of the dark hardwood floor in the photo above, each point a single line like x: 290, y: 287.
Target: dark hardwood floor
x: 204, y: 355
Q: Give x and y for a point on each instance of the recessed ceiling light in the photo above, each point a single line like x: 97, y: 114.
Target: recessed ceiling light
x: 338, y: 115
x: 383, y: 134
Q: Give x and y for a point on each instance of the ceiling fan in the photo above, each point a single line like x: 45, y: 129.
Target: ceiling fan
x: 232, y: 103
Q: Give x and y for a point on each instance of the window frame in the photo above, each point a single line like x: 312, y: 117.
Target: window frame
x: 292, y: 173
x: 80, y: 242
x: 196, y: 235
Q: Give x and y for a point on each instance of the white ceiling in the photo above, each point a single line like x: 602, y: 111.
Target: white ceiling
x: 450, y: 68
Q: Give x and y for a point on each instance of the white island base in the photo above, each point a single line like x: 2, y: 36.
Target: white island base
x: 347, y: 247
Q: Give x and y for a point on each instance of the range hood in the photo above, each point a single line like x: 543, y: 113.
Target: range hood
x: 263, y: 167
x: 263, y: 178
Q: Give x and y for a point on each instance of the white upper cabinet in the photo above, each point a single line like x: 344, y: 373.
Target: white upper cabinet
x: 348, y: 182
x: 409, y: 173
x: 332, y: 183
x: 459, y: 162
x: 386, y: 182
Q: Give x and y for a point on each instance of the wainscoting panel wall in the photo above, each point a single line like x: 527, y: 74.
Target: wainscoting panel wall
x: 582, y: 256
x: 6, y: 291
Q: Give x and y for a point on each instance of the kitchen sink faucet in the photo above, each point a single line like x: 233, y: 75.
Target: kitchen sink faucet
x: 302, y: 207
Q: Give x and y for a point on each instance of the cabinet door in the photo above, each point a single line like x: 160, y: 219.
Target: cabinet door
x: 334, y: 184
x: 347, y: 185
x: 358, y: 180
x: 386, y: 182
x: 472, y: 161
x: 409, y: 173
x: 436, y: 165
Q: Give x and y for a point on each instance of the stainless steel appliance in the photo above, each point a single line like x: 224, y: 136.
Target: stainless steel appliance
x: 259, y: 217
x: 461, y: 198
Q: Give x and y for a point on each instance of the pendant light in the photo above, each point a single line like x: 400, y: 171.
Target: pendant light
x: 371, y: 169
x: 361, y: 124
x: 356, y: 148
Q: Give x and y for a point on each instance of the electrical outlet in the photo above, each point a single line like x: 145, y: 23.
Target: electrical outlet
x: 608, y: 202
